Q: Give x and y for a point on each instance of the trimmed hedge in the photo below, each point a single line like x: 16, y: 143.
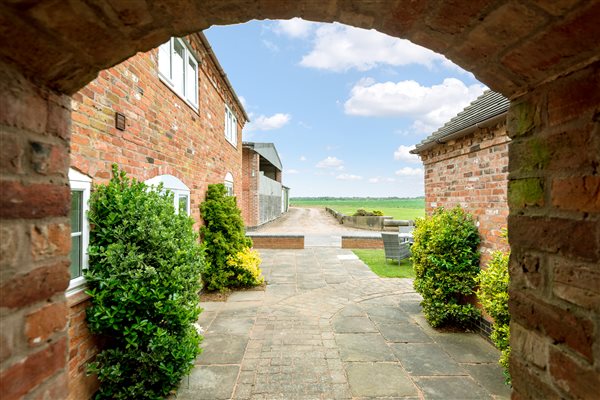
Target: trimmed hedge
x: 229, y: 261
x: 144, y: 277
x: 446, y: 263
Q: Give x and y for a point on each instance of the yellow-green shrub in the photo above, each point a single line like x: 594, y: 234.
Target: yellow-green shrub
x: 493, y: 296
x: 246, y: 263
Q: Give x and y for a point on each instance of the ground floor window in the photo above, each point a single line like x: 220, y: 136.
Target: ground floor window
x: 80, y: 232
x: 229, y: 184
x: 181, y: 193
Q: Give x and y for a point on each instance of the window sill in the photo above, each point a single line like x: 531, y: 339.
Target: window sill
x: 231, y: 143
x: 77, y: 296
x: 191, y: 105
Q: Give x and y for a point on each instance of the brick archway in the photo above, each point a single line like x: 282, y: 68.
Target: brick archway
x: 543, y: 55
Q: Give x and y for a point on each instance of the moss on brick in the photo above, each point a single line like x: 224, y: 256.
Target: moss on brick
x: 525, y: 192
x: 522, y: 119
x: 539, y: 154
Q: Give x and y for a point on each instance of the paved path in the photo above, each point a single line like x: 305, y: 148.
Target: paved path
x: 328, y: 328
x: 318, y: 227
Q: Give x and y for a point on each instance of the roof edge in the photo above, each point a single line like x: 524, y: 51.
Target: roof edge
x: 214, y: 59
x: 458, y: 134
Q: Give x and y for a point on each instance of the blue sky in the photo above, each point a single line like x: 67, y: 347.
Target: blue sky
x: 343, y: 105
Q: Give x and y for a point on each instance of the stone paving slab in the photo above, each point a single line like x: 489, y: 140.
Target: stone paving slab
x: 426, y: 359
x: 366, y: 380
x: 326, y: 327
x: 209, y: 382
x: 363, y: 347
x: 451, y: 388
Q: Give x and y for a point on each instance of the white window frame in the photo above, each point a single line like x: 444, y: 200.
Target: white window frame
x: 166, y: 71
x: 174, y: 185
x: 81, y: 183
x: 228, y: 182
x: 230, y: 126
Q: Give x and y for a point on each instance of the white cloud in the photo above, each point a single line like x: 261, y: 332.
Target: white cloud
x: 264, y: 123
x: 403, y: 154
x: 430, y: 106
x: 348, y: 177
x: 295, y: 28
x: 379, y: 179
x: 270, y: 45
x: 291, y: 171
x: 330, y: 162
x: 302, y: 158
x: 340, y: 47
x: 408, y: 171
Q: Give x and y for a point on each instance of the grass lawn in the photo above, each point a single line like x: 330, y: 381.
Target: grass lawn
x: 395, y: 207
x: 396, y: 212
x: 375, y: 259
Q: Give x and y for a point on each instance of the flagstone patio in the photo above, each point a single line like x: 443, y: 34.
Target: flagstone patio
x: 326, y: 327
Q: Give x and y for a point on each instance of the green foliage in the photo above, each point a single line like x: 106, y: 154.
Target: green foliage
x: 224, y: 237
x: 446, y: 263
x: 361, y: 212
x: 493, y: 296
x: 246, y: 264
x: 144, y: 278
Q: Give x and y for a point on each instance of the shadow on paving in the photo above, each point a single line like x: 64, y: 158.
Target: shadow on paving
x: 310, y: 336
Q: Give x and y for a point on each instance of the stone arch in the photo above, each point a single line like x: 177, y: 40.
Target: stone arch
x: 543, y: 55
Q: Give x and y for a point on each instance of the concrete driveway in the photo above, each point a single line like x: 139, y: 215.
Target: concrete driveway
x: 318, y: 227
x: 328, y: 328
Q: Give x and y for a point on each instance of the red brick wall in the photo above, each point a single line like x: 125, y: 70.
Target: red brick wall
x: 250, y: 199
x: 349, y: 242
x: 554, y: 230
x: 34, y: 238
x: 278, y: 241
x: 82, y: 349
x: 472, y: 171
x: 163, y: 135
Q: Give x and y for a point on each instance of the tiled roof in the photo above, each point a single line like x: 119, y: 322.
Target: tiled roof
x: 486, y: 106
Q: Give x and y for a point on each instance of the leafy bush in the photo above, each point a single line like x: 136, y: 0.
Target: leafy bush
x: 493, y: 296
x: 224, y: 237
x: 144, y: 278
x: 446, y: 263
x: 245, y: 265
x: 361, y: 212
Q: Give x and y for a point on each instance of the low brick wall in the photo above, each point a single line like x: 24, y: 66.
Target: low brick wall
x: 361, y: 242
x: 277, y: 241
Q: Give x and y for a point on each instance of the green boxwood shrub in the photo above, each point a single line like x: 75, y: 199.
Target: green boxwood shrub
x: 144, y: 277
x: 446, y: 263
x: 361, y: 212
x: 493, y: 296
x: 226, y: 243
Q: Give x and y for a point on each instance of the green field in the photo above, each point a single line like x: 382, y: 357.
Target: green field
x: 375, y: 259
x: 398, y: 208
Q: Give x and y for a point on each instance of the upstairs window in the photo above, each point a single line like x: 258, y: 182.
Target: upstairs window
x: 230, y: 126
x: 181, y: 193
x: 178, y: 68
x: 80, y: 231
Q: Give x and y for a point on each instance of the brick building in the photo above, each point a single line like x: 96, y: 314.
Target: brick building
x: 167, y: 116
x: 264, y: 197
x: 466, y: 164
